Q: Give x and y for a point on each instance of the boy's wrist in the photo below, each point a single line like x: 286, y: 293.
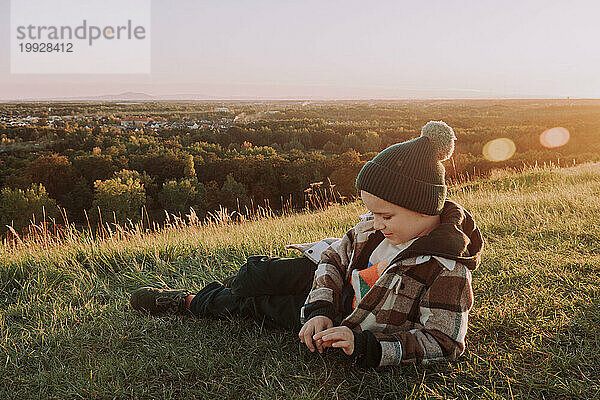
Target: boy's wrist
x: 319, y: 308
x: 360, y: 343
x: 367, y: 350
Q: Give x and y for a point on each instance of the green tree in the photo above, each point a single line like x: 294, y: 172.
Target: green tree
x: 346, y: 168
x: 123, y: 195
x: 18, y: 207
x: 80, y: 199
x: 232, y: 192
x: 293, y: 144
x: 213, y: 193
x: 178, y: 196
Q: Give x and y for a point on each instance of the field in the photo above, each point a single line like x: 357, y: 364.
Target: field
x: 66, y: 330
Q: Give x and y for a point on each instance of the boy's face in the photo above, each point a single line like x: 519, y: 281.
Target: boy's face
x: 398, y: 224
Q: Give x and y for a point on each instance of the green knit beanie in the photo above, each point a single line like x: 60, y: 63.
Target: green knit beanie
x: 410, y: 174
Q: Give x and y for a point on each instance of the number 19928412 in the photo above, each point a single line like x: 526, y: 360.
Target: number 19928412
x: 46, y: 47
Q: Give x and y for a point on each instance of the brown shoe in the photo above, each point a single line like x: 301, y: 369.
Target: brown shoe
x: 159, y: 301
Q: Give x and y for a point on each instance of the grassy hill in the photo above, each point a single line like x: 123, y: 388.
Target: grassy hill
x: 66, y: 330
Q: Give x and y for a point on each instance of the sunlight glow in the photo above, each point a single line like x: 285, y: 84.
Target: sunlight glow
x: 554, y: 137
x: 499, y: 149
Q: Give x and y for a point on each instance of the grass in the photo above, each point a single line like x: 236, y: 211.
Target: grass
x: 66, y: 330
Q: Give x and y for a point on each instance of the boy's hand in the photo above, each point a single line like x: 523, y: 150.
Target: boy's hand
x: 312, y: 326
x: 339, y: 337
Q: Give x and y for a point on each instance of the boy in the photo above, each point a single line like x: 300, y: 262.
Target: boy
x: 395, y: 289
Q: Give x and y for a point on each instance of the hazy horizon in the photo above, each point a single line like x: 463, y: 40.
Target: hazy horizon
x: 347, y: 51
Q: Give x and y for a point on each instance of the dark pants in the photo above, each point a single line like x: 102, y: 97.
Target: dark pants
x: 268, y: 290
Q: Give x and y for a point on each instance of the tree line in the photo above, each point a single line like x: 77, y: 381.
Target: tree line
x: 265, y: 157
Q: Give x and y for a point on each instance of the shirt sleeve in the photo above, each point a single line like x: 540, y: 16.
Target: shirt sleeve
x: 443, y: 315
x: 324, y: 297
x: 367, y: 350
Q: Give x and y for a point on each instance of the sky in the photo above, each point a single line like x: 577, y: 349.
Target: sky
x: 280, y: 49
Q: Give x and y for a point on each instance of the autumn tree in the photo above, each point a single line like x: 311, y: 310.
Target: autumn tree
x: 94, y: 167
x: 55, y: 173
x: 188, y: 170
x: 123, y: 195
x: 163, y: 167
x: 370, y: 142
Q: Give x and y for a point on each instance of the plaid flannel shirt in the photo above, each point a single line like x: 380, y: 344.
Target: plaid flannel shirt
x: 418, y: 309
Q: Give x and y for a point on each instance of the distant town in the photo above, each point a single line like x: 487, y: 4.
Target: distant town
x: 128, y: 122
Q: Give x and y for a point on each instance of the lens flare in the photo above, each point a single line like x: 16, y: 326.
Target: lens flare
x: 499, y: 149
x: 554, y: 137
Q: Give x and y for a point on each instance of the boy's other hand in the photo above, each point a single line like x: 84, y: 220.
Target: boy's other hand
x: 340, y: 337
x: 311, y: 327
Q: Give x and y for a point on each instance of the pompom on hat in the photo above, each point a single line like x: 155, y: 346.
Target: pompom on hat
x: 410, y: 174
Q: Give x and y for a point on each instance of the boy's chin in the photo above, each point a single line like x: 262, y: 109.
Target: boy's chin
x: 395, y: 241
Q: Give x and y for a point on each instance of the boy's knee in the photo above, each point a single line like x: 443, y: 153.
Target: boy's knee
x: 263, y: 275
x: 249, y: 276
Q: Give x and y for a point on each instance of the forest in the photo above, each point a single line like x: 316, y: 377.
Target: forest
x: 89, y: 162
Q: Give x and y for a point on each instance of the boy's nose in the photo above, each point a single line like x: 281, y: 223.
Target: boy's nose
x: 378, y: 225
